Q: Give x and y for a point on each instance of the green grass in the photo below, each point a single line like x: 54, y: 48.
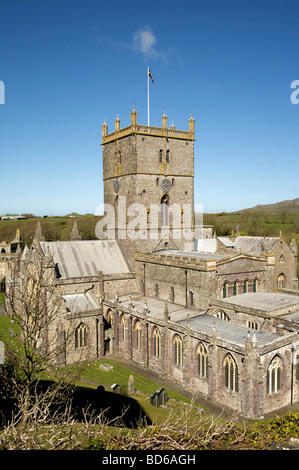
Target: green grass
x: 9, y: 332
x: 121, y: 375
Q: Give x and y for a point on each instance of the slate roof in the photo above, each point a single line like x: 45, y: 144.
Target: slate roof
x: 255, y: 245
x: 264, y: 301
x: 194, y: 254
x: 228, y: 331
x: 86, y: 257
x: 79, y: 303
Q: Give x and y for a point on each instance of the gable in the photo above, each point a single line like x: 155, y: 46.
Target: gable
x: 241, y: 264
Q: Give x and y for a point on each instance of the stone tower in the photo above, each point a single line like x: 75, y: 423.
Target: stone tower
x: 148, y: 177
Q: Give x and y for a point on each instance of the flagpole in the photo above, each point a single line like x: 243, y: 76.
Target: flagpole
x: 148, y: 118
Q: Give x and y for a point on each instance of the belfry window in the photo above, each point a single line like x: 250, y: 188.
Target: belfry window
x: 255, y: 285
x: 167, y: 156
x: 165, y: 210
x: 161, y: 156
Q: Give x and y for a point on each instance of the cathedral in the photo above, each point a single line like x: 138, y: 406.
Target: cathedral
x: 217, y: 315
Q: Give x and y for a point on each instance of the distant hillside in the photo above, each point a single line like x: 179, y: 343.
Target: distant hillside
x: 288, y: 206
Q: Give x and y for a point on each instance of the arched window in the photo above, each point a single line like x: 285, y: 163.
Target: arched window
x: 236, y: 288
x: 222, y: 315
x: 107, y: 320
x: 190, y: 298
x: 123, y: 328
x: 171, y: 294
x: 178, y: 350
x: 225, y: 290
x: 274, y: 375
x: 81, y: 336
x: 156, y: 290
x: 161, y: 156
x: 167, y: 156
x: 252, y: 324
x: 281, y: 281
x: 245, y: 287
x: 255, y: 285
x: 165, y: 210
x: 202, y: 361
x: 156, y: 342
x: 281, y: 259
x: 231, y: 374
x: 138, y: 334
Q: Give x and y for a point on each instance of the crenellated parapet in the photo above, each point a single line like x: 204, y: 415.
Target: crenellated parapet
x: 136, y: 128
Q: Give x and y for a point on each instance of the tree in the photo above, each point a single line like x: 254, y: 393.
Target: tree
x: 32, y: 300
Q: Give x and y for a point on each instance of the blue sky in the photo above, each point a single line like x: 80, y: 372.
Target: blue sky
x: 67, y: 64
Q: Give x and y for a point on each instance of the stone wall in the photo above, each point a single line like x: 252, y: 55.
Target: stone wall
x: 249, y: 396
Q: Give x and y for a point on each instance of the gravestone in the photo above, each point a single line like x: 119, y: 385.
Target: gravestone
x: 131, y: 384
x: 115, y: 387
x: 106, y: 367
x: 159, y: 397
x: 154, y: 399
x: 101, y: 389
x: 2, y: 353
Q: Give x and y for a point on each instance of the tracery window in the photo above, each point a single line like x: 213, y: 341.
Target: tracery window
x: 156, y: 342
x: 274, y: 375
x: 178, y: 350
x: 225, y: 290
x: 222, y: 315
x: 231, y: 373
x: 123, y: 328
x: 236, y: 288
x: 81, y: 336
x: 252, y: 324
x: 281, y: 281
x: 138, y: 334
x: 202, y: 361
